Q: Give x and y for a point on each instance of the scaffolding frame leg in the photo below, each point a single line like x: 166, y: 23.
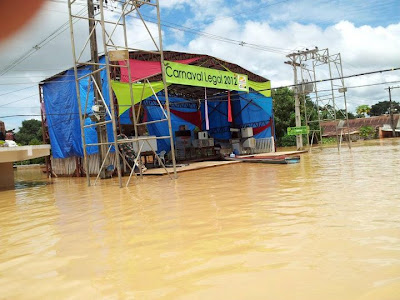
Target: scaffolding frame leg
x: 110, y: 26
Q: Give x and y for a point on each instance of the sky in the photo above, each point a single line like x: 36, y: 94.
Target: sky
x: 255, y: 34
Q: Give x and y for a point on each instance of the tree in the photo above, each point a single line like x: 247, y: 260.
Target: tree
x: 367, y: 132
x: 283, y: 111
x: 284, y: 114
x: 30, y: 133
x: 382, y: 108
x: 341, y: 114
x: 351, y: 115
x: 363, y: 110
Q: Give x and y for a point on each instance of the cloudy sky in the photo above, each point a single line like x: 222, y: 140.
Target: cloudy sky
x: 256, y: 34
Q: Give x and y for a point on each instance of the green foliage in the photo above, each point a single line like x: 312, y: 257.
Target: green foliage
x: 35, y: 141
x: 367, y: 132
x: 285, y: 115
x: 312, y: 114
x: 30, y: 131
x: 363, y: 110
x: 286, y: 141
x: 329, y: 140
x: 283, y: 111
x: 290, y: 140
x: 382, y: 108
x: 38, y: 160
x: 341, y: 114
x: 351, y: 115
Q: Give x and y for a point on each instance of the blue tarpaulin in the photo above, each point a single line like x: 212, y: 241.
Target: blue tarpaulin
x: 218, y: 119
x: 253, y: 110
x: 153, y: 112
x: 62, y: 113
x: 248, y: 110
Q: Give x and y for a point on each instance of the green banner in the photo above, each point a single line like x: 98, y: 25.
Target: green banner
x: 298, y: 130
x: 205, y: 77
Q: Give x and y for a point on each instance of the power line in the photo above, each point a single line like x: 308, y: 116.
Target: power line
x: 223, y: 96
x: 174, y: 26
x: 29, y: 87
x: 38, y: 115
x: 251, y: 10
x: 38, y: 46
x: 30, y: 96
x: 348, y: 11
x: 217, y: 37
x: 322, y: 80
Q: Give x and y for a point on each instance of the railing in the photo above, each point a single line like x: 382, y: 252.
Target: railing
x: 264, y: 145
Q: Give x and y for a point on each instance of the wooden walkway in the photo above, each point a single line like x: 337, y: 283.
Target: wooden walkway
x: 209, y: 164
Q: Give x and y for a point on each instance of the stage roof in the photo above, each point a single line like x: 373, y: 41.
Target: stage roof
x: 183, y: 91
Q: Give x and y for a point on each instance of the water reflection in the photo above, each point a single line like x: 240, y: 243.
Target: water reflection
x: 326, y: 228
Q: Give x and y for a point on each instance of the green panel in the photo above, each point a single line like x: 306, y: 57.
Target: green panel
x: 198, y: 76
x: 140, y: 91
x: 264, y: 88
x: 298, y: 130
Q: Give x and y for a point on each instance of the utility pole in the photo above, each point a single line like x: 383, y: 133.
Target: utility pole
x: 391, y: 109
x: 94, y: 53
x: 300, y: 61
x: 294, y: 57
x: 299, y: 138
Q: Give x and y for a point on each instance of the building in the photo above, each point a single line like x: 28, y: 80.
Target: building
x: 222, y: 116
x: 2, y: 127
x: 2, y: 130
x: 380, y: 125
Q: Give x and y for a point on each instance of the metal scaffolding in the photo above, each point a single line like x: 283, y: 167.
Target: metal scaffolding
x: 328, y: 95
x: 109, y: 18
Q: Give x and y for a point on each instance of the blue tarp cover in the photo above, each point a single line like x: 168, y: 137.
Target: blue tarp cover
x: 154, y: 112
x: 248, y: 110
x: 62, y: 113
x: 253, y: 110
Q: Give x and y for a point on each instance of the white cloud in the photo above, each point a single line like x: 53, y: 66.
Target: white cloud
x: 53, y: 57
x: 362, y: 49
x: 176, y: 4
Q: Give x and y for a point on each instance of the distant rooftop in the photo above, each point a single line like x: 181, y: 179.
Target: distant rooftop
x: 329, y: 128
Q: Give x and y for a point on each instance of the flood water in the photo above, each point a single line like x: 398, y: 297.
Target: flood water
x: 326, y: 228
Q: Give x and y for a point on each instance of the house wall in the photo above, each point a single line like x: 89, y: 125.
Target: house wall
x: 2, y: 127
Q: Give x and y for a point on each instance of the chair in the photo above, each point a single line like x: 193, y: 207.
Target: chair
x: 110, y: 170
x: 161, y: 155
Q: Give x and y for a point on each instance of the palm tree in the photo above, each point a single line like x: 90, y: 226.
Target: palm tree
x: 363, y: 110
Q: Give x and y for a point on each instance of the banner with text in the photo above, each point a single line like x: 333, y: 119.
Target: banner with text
x: 298, y: 130
x: 198, y: 76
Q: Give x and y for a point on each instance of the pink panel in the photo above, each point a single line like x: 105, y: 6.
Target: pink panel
x: 143, y: 69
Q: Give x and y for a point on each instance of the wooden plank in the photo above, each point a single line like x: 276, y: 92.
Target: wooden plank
x: 190, y: 167
x: 275, y: 154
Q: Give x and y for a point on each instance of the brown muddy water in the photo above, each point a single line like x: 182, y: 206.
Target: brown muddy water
x: 326, y: 228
